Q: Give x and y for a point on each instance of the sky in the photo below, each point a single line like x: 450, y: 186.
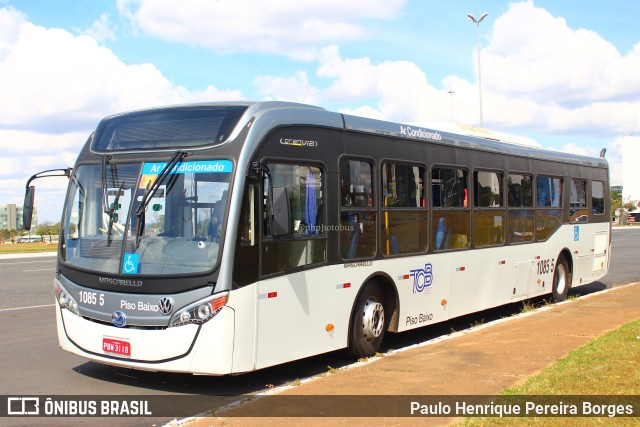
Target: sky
x: 563, y: 72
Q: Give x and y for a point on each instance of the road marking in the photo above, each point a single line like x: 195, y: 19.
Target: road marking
x: 25, y: 308
x: 41, y: 269
x: 25, y: 262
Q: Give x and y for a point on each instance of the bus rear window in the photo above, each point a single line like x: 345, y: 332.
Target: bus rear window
x: 167, y: 128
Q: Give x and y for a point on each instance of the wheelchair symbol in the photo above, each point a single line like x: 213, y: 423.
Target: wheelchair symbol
x: 130, y: 266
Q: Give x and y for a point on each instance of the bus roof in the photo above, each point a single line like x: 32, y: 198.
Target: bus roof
x: 455, y: 135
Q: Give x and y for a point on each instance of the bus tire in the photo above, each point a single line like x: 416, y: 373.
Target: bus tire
x: 368, y: 323
x: 561, y: 280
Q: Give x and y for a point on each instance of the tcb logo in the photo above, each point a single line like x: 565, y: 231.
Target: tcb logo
x: 422, y: 278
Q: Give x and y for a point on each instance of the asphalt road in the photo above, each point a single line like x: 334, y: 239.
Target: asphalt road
x: 32, y: 363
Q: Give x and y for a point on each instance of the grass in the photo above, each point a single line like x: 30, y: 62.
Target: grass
x: 609, y: 365
x: 527, y: 307
x: 27, y: 248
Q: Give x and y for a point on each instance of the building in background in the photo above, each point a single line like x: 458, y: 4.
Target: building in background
x: 11, y: 217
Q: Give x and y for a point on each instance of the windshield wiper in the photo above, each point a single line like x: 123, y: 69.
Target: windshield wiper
x: 105, y: 200
x: 150, y: 191
x: 112, y: 214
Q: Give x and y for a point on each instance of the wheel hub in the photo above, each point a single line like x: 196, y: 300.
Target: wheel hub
x: 372, y: 320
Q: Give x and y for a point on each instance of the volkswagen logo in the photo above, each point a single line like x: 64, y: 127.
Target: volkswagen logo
x: 119, y: 319
x: 166, y: 305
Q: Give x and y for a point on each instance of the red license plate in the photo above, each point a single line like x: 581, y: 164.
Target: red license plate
x: 110, y: 345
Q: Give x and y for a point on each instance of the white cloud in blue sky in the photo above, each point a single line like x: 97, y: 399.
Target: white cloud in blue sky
x: 568, y: 76
x: 282, y: 27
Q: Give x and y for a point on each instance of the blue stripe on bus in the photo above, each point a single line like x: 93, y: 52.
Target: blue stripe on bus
x: 201, y: 166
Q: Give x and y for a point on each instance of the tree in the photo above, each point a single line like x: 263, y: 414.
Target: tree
x: 48, y: 229
x: 630, y: 206
x: 616, y: 202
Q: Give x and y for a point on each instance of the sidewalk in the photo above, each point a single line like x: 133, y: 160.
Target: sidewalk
x: 482, y: 361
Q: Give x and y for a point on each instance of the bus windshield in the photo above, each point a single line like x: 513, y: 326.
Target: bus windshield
x: 177, y: 232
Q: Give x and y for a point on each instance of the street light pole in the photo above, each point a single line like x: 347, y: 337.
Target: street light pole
x: 477, y: 22
x: 451, y: 92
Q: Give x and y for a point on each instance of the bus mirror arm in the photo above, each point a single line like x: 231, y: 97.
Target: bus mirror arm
x: 30, y: 192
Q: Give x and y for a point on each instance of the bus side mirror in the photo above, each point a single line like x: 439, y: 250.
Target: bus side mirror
x: 281, y: 212
x: 27, y: 207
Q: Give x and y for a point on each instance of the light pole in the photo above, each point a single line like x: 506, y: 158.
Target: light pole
x: 477, y: 22
x: 451, y: 92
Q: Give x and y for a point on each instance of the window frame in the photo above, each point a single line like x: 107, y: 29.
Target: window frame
x: 369, y: 211
x: 537, y: 189
x: 293, y: 239
x: 546, y: 210
x: 440, y: 211
x: 591, y: 198
x: 476, y: 209
x: 511, y: 210
x: 576, y: 209
x: 386, y: 210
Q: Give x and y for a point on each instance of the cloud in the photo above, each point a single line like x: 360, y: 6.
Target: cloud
x: 533, y: 53
x: 539, y: 75
x: 71, y: 81
x: 102, y: 29
x: 295, y: 88
x: 277, y: 26
x: 55, y: 88
x: 573, y: 79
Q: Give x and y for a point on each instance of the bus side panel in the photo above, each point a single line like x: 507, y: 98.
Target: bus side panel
x: 295, y: 311
x: 244, y: 303
x: 600, y: 258
x: 480, y: 279
x: 423, y: 284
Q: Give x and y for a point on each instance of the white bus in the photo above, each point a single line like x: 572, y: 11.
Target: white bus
x: 228, y: 237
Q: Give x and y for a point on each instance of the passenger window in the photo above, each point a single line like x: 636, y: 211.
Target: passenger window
x: 521, y: 218
x: 403, y: 186
x: 487, y: 189
x: 489, y: 216
x: 549, y: 192
x: 305, y: 194
x: 355, y: 178
x: 597, y: 197
x: 358, y: 227
x: 306, y: 241
x: 548, y: 215
x: 449, y: 188
x: 404, y: 215
x: 578, y: 203
x: 450, y: 227
x: 520, y: 191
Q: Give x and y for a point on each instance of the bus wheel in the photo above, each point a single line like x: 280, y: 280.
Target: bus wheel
x: 367, y: 323
x: 561, y: 280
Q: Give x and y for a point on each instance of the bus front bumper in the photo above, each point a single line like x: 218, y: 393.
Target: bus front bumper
x: 199, y: 349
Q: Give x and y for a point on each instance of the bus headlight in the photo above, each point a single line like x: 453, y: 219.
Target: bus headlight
x: 200, y: 311
x: 64, y: 298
